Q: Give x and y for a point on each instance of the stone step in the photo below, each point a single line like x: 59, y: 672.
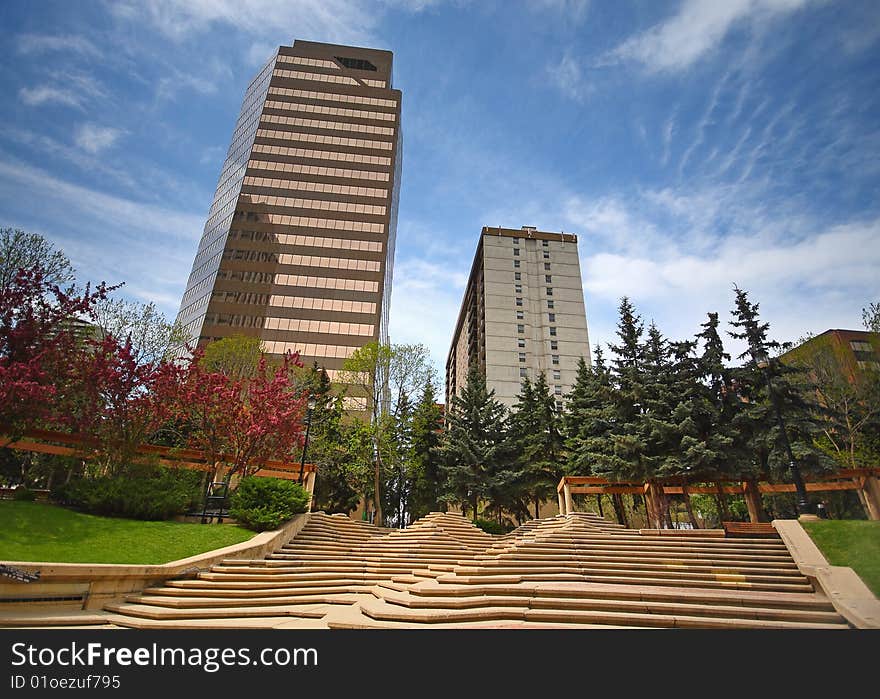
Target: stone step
x: 151, y: 612
x: 235, y: 593
x: 402, y: 598
x: 269, y: 622
x: 634, y: 571
x: 659, y: 558
x: 379, y: 609
x: 632, y: 580
x: 625, y: 565
x: 325, y: 581
x: 230, y: 602
x: 434, y: 588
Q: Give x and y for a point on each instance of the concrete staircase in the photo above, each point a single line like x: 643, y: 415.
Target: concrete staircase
x: 569, y: 571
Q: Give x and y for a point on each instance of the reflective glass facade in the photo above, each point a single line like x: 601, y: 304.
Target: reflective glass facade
x: 298, y: 248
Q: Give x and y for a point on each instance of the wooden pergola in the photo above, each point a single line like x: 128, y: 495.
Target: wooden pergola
x: 83, y: 447
x: 865, y: 481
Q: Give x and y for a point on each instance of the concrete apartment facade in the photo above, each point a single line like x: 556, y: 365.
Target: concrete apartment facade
x: 298, y: 247
x: 855, y: 354
x: 522, y: 314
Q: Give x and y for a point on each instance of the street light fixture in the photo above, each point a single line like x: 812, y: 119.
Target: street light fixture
x: 763, y: 363
x: 302, y: 462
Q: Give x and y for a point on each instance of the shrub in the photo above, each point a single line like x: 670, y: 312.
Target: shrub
x: 491, y: 527
x: 144, y: 493
x: 264, y: 503
x: 24, y: 494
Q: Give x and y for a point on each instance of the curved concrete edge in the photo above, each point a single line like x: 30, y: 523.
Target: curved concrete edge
x: 847, y: 591
x: 102, y: 582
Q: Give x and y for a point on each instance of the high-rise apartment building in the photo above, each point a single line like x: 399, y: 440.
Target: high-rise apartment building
x: 298, y: 247
x: 522, y: 313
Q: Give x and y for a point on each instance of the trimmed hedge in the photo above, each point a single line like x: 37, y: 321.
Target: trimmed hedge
x: 23, y: 494
x: 264, y: 503
x: 491, y: 527
x: 147, y: 493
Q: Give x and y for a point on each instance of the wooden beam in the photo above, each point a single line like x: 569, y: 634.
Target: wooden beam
x: 170, y: 456
x: 710, y: 489
x: 606, y: 489
x: 583, y: 480
x: 811, y: 487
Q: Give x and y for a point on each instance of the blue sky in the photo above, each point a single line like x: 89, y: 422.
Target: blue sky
x: 690, y: 145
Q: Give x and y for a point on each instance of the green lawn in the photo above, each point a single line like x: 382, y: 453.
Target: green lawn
x: 850, y: 543
x: 31, y: 531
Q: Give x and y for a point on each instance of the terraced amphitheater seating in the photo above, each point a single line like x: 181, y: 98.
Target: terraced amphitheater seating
x: 577, y: 570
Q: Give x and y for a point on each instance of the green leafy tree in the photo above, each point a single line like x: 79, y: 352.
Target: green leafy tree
x: 384, y: 378
x: 236, y: 356
x: 871, y: 317
x: 150, y: 334
x: 22, y: 250
x: 846, y: 409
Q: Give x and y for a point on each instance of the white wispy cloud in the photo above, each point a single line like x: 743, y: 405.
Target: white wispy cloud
x: 259, y: 52
x: 808, y: 275
x: 115, y: 213
x: 705, y: 121
x: 425, y: 299
x: 68, y: 87
x: 695, y: 30
x: 567, y: 76
x: 46, y: 94
x: 668, y: 131
x: 46, y: 145
x: 107, y: 237
x: 44, y: 43
x: 574, y: 11
x: 94, y: 138
x: 332, y: 20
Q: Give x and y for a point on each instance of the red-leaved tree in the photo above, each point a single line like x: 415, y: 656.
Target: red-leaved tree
x: 242, y: 421
x: 37, y: 339
x: 120, y: 402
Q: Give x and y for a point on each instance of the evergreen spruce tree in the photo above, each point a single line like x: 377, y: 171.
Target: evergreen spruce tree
x: 712, y: 448
x: 757, y: 420
x: 425, y: 456
x: 537, y: 442
x: 624, y: 456
x: 475, y: 446
x: 590, y: 416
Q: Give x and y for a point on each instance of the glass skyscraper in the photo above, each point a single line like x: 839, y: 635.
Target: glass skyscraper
x: 298, y: 247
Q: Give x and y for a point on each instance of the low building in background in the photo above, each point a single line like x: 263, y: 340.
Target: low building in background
x: 853, y: 353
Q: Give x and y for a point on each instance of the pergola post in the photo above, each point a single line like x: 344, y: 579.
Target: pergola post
x: 310, y: 487
x: 870, y: 492
x: 652, y: 502
x: 752, y: 496
x: 569, y: 506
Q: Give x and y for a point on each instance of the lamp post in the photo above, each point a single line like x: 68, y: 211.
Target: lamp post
x: 763, y: 362
x: 302, y: 462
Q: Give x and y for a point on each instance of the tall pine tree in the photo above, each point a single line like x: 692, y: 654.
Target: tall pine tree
x: 425, y: 455
x: 537, y: 442
x: 475, y: 445
x: 757, y: 420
